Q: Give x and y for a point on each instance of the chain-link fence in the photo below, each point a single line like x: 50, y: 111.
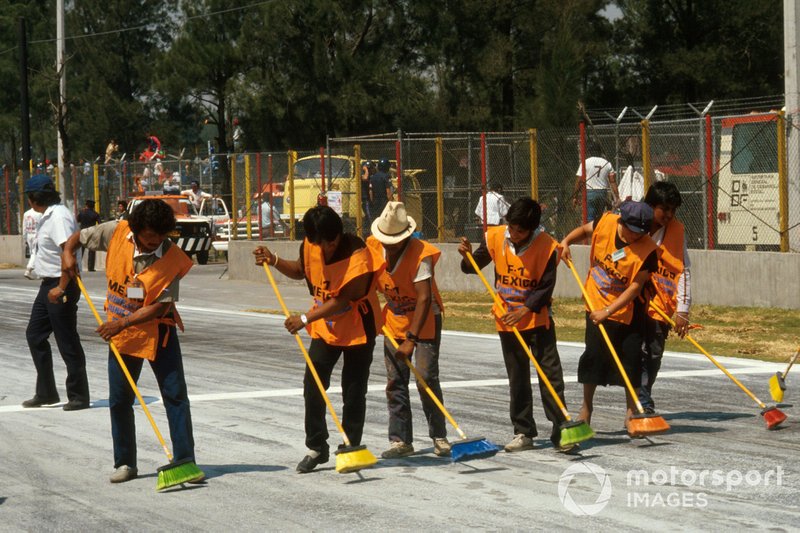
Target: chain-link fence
x: 739, y: 178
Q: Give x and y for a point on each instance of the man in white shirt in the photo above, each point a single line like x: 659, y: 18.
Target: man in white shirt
x: 270, y: 218
x: 631, y: 186
x: 496, y: 206
x: 600, y: 180
x: 60, y: 319
x: 196, y: 194
x: 29, y: 221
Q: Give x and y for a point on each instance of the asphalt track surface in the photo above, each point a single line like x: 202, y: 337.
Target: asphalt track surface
x: 718, y: 468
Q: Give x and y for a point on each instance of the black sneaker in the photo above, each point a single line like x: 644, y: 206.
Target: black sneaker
x: 649, y: 410
x: 38, y: 401
x: 309, y: 463
x: 75, y: 405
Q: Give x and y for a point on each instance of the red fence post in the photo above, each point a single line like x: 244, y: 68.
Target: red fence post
x: 585, y: 209
x: 398, y: 155
x: 269, y: 195
x: 8, y: 201
x: 258, y: 198
x: 483, y: 179
x: 709, y: 184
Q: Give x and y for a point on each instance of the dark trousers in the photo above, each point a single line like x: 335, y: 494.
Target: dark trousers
x: 542, y: 343
x: 62, y: 321
x: 355, y: 374
x: 90, y: 258
x: 655, y: 338
x: 426, y: 360
x: 168, y: 370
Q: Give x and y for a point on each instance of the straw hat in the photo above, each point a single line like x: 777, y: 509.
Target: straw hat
x: 394, y: 224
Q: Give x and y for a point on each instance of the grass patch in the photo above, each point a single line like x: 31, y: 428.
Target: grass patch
x: 757, y: 333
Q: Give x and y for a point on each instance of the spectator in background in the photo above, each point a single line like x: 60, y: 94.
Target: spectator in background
x: 367, y: 168
x: 196, y: 194
x: 380, y: 187
x: 270, y: 217
x: 153, y: 145
x: 88, y: 217
x: 122, y: 210
x: 631, y: 185
x: 238, y: 136
x: 173, y: 185
x: 496, y: 206
x: 29, y: 221
x: 600, y: 183
x: 111, y: 149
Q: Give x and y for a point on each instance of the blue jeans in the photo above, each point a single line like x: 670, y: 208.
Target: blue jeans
x: 426, y: 356
x: 61, y: 320
x: 168, y: 370
x: 596, y: 203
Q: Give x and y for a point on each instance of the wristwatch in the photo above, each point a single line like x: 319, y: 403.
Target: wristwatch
x: 304, y: 319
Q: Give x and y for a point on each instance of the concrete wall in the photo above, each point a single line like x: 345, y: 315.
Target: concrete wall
x: 12, y: 250
x: 746, y: 279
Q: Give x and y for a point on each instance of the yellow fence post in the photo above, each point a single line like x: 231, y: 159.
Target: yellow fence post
x: 439, y: 190
x: 292, y: 199
x: 247, y: 194
x: 96, y: 187
x: 359, y: 215
x: 55, y: 172
x: 234, y: 204
x: 783, y: 183
x: 646, y: 153
x: 534, y: 159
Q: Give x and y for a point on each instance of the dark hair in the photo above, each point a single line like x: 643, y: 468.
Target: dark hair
x: 45, y: 198
x: 663, y: 193
x: 122, y: 203
x: 152, y: 214
x: 321, y: 223
x: 525, y: 213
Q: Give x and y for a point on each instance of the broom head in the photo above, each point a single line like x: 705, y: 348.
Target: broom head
x: 469, y: 449
x: 354, y: 458
x: 777, y: 385
x: 773, y: 417
x: 178, y: 473
x: 644, y: 425
x: 575, y: 432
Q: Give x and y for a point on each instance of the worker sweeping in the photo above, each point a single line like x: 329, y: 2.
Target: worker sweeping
x: 343, y: 322
x: 413, y: 316
x: 621, y: 259
x: 144, y: 269
x: 525, y: 260
x: 670, y: 285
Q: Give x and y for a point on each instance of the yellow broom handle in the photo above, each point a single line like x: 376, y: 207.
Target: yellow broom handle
x: 710, y: 358
x: 624, y: 374
x: 125, y: 370
x: 499, y: 303
x: 307, y: 357
x: 388, y: 335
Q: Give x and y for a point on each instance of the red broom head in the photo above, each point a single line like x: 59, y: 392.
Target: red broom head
x: 773, y: 417
x: 644, y: 425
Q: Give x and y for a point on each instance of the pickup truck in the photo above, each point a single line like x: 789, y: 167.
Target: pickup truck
x: 193, y: 233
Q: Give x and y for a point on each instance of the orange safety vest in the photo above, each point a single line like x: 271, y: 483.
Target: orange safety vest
x: 398, y: 288
x: 670, y: 268
x: 516, y: 276
x: 609, y: 275
x: 139, y: 340
x: 345, y: 328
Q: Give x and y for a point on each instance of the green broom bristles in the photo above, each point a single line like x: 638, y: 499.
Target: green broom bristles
x: 467, y: 449
x: 353, y: 459
x: 575, y: 432
x: 178, y: 473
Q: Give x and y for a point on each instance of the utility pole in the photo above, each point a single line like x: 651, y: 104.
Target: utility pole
x: 25, y: 126
x: 791, y: 69
x: 62, y: 94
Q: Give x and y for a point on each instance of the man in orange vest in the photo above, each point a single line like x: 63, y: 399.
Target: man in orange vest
x: 413, y: 315
x: 621, y: 259
x: 525, y: 260
x: 344, y: 320
x: 670, y: 285
x: 143, y: 268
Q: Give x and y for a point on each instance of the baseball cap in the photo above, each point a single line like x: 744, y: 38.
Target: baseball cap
x: 39, y: 183
x: 637, y: 216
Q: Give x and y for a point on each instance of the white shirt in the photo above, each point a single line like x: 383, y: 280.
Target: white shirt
x: 597, y: 171
x: 29, y: 221
x: 266, y: 211
x: 196, y: 197
x: 685, y: 280
x: 631, y: 186
x: 54, y: 228
x: 496, y: 208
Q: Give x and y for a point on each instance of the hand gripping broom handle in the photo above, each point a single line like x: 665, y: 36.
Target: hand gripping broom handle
x: 307, y: 358
x: 388, y: 335
x: 624, y: 374
x: 710, y: 358
x: 522, y: 342
x: 125, y: 371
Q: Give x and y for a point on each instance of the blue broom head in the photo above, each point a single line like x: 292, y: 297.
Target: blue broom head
x: 469, y: 449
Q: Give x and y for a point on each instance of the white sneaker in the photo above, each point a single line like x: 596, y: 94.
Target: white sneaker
x: 519, y: 443
x: 28, y: 273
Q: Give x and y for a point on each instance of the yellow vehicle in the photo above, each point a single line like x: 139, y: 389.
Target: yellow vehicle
x: 341, y: 189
